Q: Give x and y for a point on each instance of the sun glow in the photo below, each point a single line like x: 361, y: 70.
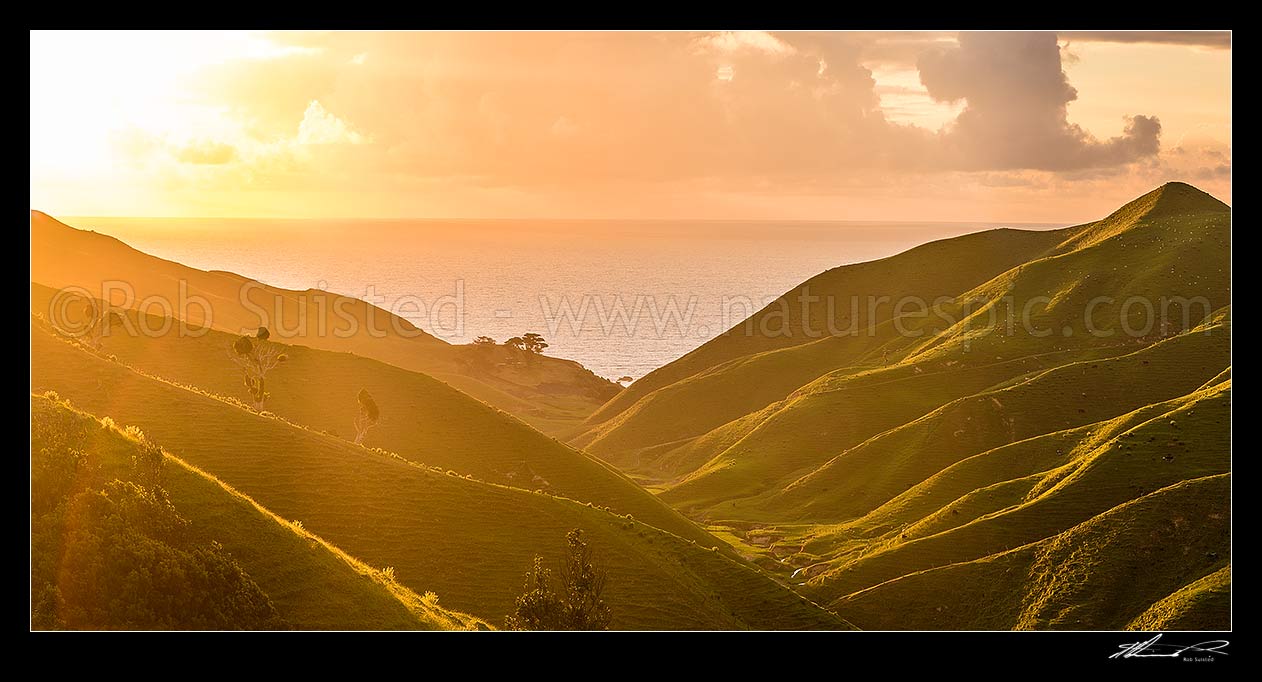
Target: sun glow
x: 725, y: 125
x: 91, y: 91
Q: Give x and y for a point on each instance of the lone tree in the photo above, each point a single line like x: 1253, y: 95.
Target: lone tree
x: 256, y: 356
x: 368, y: 415
x: 98, y: 321
x: 573, y: 604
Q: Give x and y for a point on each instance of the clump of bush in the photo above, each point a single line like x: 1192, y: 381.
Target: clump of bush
x: 571, y: 601
x: 110, y: 551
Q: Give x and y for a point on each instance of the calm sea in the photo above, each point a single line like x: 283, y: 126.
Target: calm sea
x: 621, y: 297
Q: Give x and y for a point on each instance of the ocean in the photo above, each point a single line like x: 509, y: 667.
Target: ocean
x: 621, y: 297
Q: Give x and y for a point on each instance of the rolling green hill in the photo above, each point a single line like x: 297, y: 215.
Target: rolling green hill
x: 753, y: 425
x: 422, y: 419
x: 466, y: 540
x: 929, y: 470
x: 1157, y: 562
x: 860, y: 478
x: 1099, y: 468
x: 835, y: 302
x: 551, y: 393
x: 1196, y: 606
x: 309, y: 583
x: 1045, y: 445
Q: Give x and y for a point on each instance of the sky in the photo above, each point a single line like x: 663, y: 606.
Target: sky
x: 747, y: 125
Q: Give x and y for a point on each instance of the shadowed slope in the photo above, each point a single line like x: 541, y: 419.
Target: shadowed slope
x: 312, y: 584
x: 468, y: 541
x: 422, y: 419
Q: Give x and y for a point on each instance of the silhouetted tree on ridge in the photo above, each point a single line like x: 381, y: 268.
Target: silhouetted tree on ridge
x: 534, y: 343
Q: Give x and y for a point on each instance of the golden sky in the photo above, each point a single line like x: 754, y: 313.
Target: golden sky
x: 987, y: 126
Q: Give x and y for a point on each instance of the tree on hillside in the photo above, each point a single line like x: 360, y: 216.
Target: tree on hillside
x: 368, y: 415
x: 534, y: 343
x: 572, y: 602
x: 256, y: 356
x: 99, y: 319
x: 518, y: 346
x: 483, y: 352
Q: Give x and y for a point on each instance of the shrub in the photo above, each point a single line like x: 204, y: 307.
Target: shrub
x: 573, y: 601
x: 118, y: 557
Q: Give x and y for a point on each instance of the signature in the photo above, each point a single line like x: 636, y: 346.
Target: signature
x: 1154, y: 649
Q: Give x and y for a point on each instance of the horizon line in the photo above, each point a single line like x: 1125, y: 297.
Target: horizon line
x: 582, y: 220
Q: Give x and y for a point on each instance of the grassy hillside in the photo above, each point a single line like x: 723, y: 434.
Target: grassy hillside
x: 551, y: 393
x: 422, y: 419
x: 1199, y: 605
x: 466, y: 540
x: 716, y: 452
x: 822, y: 313
x: 1048, y: 447
x: 861, y: 478
x: 309, y: 583
x: 1117, y: 461
x: 1158, y: 560
x: 946, y: 470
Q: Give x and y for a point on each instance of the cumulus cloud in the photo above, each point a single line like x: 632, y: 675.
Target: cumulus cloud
x: 1016, y: 115
x: 745, y: 106
x: 318, y: 126
x: 584, y: 120
x: 730, y: 42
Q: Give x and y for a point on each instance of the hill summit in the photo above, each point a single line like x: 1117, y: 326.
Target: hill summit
x: 1070, y: 384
